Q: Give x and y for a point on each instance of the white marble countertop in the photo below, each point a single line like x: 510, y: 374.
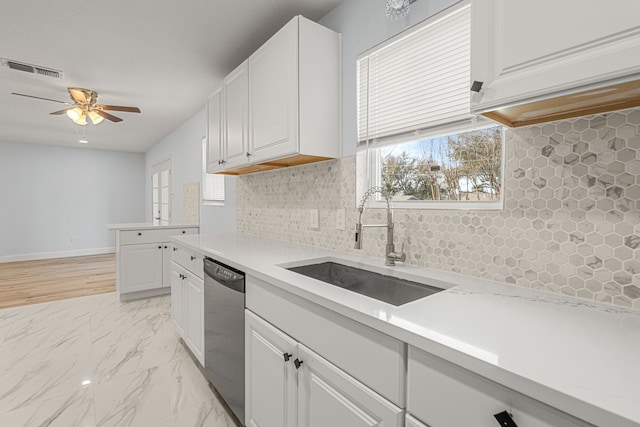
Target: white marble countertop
x: 577, y: 356
x: 148, y: 225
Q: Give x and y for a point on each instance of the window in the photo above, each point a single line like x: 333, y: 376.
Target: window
x: 423, y: 144
x: 212, y: 184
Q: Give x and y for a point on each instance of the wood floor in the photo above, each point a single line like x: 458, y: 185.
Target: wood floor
x: 31, y: 282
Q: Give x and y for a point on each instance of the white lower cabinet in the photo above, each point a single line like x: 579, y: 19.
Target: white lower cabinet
x: 194, y: 315
x: 143, y: 260
x: 287, y: 384
x: 270, y: 378
x: 441, y: 394
x: 187, y: 299
x: 412, y: 422
x: 177, y: 298
x: 328, y: 396
x: 141, y: 267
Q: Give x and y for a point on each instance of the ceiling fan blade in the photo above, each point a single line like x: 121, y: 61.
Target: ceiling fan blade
x: 78, y: 95
x: 39, y: 97
x: 108, y: 116
x: 118, y: 108
x: 59, y: 113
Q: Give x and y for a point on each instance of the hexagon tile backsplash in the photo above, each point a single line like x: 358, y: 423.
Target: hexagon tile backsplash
x: 571, y: 222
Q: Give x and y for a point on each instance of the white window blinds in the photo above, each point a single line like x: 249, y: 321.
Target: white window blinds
x: 417, y: 81
x: 212, y: 184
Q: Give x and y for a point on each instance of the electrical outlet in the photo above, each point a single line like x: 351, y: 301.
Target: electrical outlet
x: 74, y: 239
x: 314, y: 221
x: 340, y: 219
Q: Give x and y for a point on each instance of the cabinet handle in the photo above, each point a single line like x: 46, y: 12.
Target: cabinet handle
x: 248, y: 154
x: 160, y: 247
x: 476, y: 86
x: 505, y: 419
x: 193, y: 258
x: 184, y: 231
x: 287, y: 356
x: 298, y: 363
x: 139, y: 234
x: 175, y: 249
x: 166, y: 247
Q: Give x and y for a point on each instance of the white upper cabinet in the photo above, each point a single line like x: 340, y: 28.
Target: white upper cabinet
x: 215, y: 128
x: 273, y: 88
x: 281, y: 107
x: 236, y: 140
x: 524, y: 52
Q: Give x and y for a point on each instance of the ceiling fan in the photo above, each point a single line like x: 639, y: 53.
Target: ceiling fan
x: 84, y: 105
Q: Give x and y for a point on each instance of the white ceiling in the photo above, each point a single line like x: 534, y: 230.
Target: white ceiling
x: 164, y: 56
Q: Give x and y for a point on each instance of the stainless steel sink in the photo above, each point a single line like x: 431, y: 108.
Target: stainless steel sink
x: 391, y: 290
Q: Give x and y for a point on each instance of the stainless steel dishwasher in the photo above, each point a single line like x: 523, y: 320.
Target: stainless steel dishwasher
x: 224, y: 288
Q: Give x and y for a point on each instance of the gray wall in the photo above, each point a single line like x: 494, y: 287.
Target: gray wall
x: 363, y: 24
x: 50, y: 194
x: 184, y: 147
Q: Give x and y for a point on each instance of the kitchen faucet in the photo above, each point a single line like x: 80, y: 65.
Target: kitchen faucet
x: 391, y: 256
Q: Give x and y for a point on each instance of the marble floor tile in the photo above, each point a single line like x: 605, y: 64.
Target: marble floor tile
x: 96, y: 362
x: 71, y: 410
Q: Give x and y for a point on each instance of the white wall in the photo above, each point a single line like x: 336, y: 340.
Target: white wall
x: 50, y: 194
x: 184, y: 147
x: 363, y: 24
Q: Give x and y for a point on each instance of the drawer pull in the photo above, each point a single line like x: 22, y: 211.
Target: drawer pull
x: 298, y: 363
x: 139, y: 234
x: 287, y: 356
x: 166, y: 246
x: 193, y: 258
x: 184, y: 231
x: 160, y: 247
x: 505, y: 420
x: 175, y: 249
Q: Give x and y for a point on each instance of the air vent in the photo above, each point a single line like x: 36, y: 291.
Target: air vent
x: 33, y: 69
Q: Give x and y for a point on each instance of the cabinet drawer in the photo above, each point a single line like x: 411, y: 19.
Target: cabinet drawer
x: 441, y: 394
x: 373, y: 358
x: 134, y: 237
x: 188, y: 259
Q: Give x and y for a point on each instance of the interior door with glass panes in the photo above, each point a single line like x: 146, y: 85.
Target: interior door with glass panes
x: 161, y: 192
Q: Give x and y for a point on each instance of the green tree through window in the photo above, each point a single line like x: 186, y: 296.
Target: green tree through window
x: 465, y: 166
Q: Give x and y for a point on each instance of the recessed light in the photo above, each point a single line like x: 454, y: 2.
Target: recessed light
x: 83, y: 141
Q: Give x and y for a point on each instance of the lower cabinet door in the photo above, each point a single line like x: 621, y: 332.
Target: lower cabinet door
x: 443, y: 394
x: 327, y: 396
x: 166, y: 264
x: 412, y: 422
x: 270, y: 377
x: 194, y: 315
x: 177, y: 298
x: 141, y: 267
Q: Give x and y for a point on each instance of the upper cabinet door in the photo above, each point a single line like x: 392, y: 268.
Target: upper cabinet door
x: 215, y: 127
x: 273, y: 89
x: 524, y: 49
x: 236, y: 98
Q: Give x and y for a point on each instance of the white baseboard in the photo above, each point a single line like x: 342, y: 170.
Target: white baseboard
x: 59, y: 254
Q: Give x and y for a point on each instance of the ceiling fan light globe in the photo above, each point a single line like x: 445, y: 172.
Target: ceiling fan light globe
x: 82, y: 120
x: 95, y: 117
x: 74, y: 113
